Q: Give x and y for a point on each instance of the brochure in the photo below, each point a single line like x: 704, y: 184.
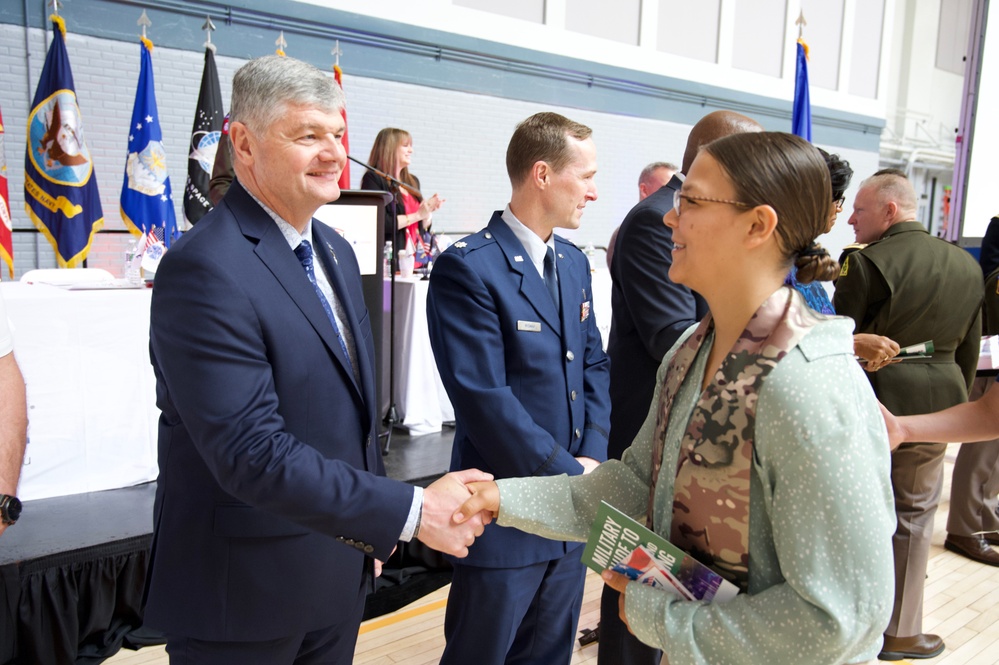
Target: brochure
x: 619, y: 543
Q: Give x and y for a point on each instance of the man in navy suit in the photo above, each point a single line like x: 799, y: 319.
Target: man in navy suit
x: 271, y: 505
x: 649, y: 312
x: 512, y: 326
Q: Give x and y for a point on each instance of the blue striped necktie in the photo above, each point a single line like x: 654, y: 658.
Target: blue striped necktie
x: 304, y: 254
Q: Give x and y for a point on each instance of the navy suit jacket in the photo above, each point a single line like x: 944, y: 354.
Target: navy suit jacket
x: 529, y: 386
x: 648, y: 312
x: 268, y: 496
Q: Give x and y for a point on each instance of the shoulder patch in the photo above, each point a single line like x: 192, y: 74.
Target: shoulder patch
x: 845, y: 268
x: 565, y: 241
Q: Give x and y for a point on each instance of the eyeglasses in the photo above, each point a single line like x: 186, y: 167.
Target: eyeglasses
x: 839, y: 203
x: 677, y: 196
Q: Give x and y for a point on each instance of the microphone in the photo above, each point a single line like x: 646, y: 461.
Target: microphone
x: 386, y: 176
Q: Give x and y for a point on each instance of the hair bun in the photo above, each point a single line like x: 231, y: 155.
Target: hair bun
x: 815, y: 265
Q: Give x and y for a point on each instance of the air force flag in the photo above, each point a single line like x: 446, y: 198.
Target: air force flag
x: 60, y: 189
x: 146, y: 198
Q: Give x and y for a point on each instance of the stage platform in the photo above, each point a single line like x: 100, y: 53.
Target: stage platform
x: 72, y: 569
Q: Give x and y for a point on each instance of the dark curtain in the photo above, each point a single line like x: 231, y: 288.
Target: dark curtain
x: 79, y: 607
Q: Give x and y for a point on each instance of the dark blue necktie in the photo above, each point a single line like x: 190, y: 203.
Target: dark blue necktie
x: 550, y: 280
x: 304, y: 254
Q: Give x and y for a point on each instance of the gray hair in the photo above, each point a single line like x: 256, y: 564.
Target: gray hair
x: 646, y: 174
x: 263, y: 87
x: 892, y: 185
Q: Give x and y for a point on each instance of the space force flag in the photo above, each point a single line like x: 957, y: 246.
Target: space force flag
x: 801, y: 109
x: 60, y: 188
x: 146, y: 197
x: 204, y: 142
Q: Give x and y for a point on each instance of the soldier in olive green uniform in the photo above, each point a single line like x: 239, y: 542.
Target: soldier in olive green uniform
x: 912, y: 287
x: 972, y: 522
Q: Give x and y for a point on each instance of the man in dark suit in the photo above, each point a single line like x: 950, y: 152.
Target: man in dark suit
x: 911, y: 287
x: 514, y: 335
x: 649, y: 312
x: 650, y: 180
x: 271, y: 505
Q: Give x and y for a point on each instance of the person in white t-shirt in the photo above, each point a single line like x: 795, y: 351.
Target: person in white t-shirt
x: 13, y: 424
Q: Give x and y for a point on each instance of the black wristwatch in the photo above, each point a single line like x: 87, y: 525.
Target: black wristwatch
x: 10, y: 509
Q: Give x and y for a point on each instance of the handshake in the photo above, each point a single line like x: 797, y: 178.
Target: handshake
x: 456, y: 509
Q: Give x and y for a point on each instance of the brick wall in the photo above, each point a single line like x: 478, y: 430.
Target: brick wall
x: 459, y: 138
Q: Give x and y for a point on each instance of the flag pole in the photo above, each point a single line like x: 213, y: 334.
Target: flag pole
x: 209, y: 28
x: 144, y: 22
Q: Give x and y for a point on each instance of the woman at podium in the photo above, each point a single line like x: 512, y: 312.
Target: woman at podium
x: 392, y: 154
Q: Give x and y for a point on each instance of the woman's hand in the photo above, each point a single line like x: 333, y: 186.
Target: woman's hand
x: 896, y: 433
x: 427, y: 208
x: 877, y: 350
x: 485, y: 498
x: 619, y: 583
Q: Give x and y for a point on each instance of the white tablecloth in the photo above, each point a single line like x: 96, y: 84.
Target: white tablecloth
x: 421, y: 402
x: 602, y: 284
x: 91, y: 391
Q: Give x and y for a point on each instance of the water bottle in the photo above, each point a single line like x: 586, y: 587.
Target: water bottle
x: 590, y: 251
x: 387, y: 261
x: 131, y: 272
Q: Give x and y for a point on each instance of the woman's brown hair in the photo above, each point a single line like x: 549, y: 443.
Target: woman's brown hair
x: 788, y: 174
x: 383, y: 155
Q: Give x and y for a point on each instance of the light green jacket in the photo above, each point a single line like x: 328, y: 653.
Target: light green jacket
x: 820, y: 524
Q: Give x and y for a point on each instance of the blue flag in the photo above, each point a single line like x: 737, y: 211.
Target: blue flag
x: 801, y: 110
x: 146, y: 197
x: 60, y: 188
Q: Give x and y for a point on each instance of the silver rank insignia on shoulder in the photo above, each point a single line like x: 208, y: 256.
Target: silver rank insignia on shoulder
x: 518, y: 259
x: 461, y: 244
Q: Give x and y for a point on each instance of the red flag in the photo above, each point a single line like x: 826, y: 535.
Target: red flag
x: 345, y: 176
x: 6, y: 224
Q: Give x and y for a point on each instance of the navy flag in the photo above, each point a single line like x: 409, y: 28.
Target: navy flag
x: 801, y: 109
x: 60, y: 189
x: 204, y: 142
x: 146, y: 197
